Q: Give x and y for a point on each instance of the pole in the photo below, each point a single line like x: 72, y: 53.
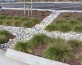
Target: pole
x: 28, y: 7
x: 31, y: 7
x: 24, y: 8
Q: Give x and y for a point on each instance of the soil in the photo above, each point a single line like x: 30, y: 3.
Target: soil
x: 69, y: 16
x: 38, y: 50
x: 38, y: 14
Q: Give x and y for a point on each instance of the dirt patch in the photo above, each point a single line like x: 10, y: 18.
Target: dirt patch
x: 69, y: 16
x: 38, y: 14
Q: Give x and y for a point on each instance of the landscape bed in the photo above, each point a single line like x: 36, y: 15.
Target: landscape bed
x: 17, y: 18
x: 67, y: 51
x: 67, y: 22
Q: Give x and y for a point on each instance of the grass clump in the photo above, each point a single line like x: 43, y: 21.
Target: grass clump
x: 73, y: 22
x: 78, y: 28
x: 52, y: 27
x: 57, y: 52
x: 5, y: 36
x: 79, y: 57
x: 2, y: 17
x: 3, y: 39
x: 52, y: 48
x: 65, y: 28
x: 26, y: 24
x: 63, y: 24
x: 18, y: 21
x: 75, y: 44
x: 60, y: 21
x: 1, y: 22
x: 39, y: 40
x: 22, y: 46
x: 7, y: 23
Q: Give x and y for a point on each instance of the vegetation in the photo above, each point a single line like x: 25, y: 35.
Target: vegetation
x: 4, y: 36
x: 18, y: 21
x: 65, y: 24
x: 51, y: 48
x: 23, y: 46
x: 75, y: 44
x: 57, y: 52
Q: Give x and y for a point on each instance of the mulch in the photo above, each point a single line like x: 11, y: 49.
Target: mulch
x: 38, y: 14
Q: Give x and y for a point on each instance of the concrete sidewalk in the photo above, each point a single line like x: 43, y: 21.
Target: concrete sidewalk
x: 6, y: 61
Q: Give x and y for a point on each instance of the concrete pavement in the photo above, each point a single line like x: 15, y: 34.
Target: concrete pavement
x: 6, y: 61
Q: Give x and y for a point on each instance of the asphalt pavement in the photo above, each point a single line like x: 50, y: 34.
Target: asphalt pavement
x: 52, y: 6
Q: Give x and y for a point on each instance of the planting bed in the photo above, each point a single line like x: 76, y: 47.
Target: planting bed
x: 5, y: 36
x: 66, y: 22
x: 68, y: 51
x: 17, y: 18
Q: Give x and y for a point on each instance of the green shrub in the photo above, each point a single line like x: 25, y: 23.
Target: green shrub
x: 65, y: 28
x: 57, y: 52
x: 3, y: 39
x: 78, y: 28
x: 23, y: 46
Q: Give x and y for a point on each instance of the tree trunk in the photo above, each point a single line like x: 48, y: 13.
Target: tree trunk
x: 31, y: 7
x: 24, y: 8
